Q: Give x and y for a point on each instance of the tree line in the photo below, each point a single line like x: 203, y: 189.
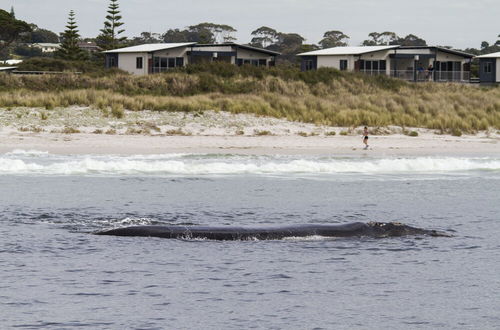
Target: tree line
x: 15, y: 35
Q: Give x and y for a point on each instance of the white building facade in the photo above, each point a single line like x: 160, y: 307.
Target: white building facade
x: 409, y: 63
x: 156, y: 58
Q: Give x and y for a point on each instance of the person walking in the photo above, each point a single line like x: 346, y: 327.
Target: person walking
x: 365, y: 137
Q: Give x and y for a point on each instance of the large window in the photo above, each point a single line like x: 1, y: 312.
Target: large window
x: 138, y: 62
x: 343, y: 65
x: 161, y: 64
x: 372, y: 66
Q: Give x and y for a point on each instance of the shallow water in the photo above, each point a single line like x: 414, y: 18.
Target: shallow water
x: 54, y: 274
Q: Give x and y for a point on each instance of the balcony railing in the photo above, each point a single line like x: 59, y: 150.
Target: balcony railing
x: 156, y: 69
x: 374, y: 72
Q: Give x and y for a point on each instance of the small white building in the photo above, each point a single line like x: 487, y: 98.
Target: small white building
x: 154, y: 58
x: 46, y: 47
x: 489, y: 68
x: 410, y: 63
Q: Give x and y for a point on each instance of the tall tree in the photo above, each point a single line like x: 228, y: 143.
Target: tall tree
x: 334, y: 39
x: 12, y: 12
x: 10, y: 29
x: 213, y: 33
x: 43, y: 35
x: 380, y: 39
x: 411, y: 40
x: 146, y: 38
x: 69, y: 48
x: 264, y: 36
x: 110, y: 34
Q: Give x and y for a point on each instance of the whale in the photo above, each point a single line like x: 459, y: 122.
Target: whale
x: 233, y: 233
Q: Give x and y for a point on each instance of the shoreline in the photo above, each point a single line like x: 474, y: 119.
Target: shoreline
x: 85, y: 130
x: 390, y: 145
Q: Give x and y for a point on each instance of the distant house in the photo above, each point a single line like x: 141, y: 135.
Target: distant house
x: 154, y: 58
x: 47, y: 47
x: 88, y: 46
x: 7, y: 69
x: 489, y: 68
x: 409, y: 63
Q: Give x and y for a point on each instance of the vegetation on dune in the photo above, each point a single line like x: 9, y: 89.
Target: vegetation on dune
x: 326, y: 96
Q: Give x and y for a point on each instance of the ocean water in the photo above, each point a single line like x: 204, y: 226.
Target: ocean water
x: 54, y: 274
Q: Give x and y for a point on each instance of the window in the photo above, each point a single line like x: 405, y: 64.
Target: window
x: 262, y: 63
x: 179, y: 61
x: 343, y: 65
x: 308, y: 65
x: 239, y: 62
x: 112, y: 62
x: 382, y: 65
x: 487, y: 67
x: 138, y: 62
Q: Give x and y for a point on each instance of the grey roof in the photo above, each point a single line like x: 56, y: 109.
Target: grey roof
x: 147, y: 48
x: 347, y: 50
x: 248, y: 47
x: 442, y: 49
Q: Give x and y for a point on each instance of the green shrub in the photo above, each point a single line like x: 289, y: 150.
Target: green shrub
x: 261, y: 132
x: 117, y: 110
x: 456, y: 132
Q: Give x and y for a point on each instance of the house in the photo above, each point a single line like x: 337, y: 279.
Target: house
x: 154, y: 58
x: 88, y: 46
x: 7, y: 69
x: 489, y: 68
x: 409, y: 63
x: 46, y: 47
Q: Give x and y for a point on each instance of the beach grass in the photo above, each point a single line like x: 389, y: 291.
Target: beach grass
x: 324, y: 97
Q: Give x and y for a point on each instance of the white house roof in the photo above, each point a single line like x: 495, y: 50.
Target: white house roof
x: 47, y: 44
x: 492, y: 55
x: 347, y: 50
x: 7, y: 68
x: 146, y: 48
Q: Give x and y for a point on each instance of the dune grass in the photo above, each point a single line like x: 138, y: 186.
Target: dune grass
x: 326, y: 96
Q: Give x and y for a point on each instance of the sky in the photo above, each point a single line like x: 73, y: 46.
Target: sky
x: 457, y: 23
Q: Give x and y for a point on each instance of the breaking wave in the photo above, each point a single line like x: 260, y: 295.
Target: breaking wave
x: 30, y: 162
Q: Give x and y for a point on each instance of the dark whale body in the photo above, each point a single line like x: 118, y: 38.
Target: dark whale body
x: 224, y: 233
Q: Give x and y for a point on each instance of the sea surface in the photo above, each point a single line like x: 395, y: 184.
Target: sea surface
x: 54, y: 274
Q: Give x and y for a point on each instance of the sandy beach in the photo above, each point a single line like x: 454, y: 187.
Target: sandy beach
x: 82, y: 130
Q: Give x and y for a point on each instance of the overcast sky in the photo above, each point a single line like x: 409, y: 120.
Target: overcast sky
x: 457, y: 23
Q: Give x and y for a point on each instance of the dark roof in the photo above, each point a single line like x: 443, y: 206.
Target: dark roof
x: 442, y: 49
x: 232, y: 44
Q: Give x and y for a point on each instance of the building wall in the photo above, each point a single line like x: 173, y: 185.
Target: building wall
x: 333, y: 61
x: 498, y: 71
x: 176, y: 52
x: 214, y: 49
x: 493, y: 76
x: 247, y: 54
x: 127, y: 62
x: 445, y: 57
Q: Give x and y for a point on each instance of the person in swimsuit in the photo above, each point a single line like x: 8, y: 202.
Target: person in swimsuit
x: 365, y: 137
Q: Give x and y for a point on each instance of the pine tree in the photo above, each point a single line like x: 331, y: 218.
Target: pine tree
x: 12, y: 13
x: 69, y: 48
x: 109, y: 37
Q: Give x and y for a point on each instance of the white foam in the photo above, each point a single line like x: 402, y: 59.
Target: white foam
x: 179, y: 165
x: 21, y: 152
